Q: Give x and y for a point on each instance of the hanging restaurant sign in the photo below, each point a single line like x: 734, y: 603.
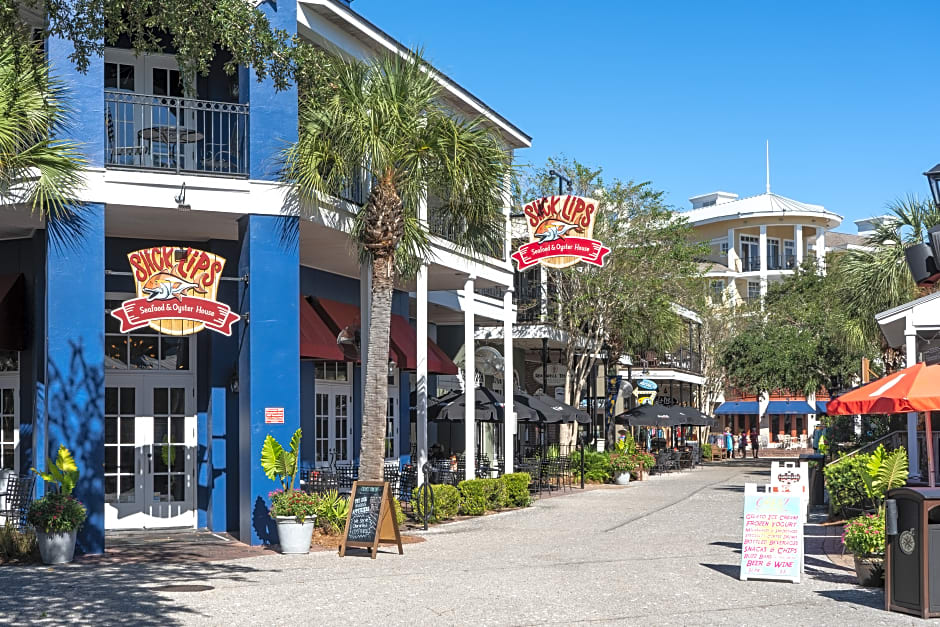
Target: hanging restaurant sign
x: 176, y: 293
x: 561, y: 233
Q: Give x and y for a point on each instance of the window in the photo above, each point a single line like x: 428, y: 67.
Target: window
x: 750, y: 253
x: 9, y: 425
x: 9, y: 361
x: 717, y: 290
x: 724, y: 247
x: 331, y: 371
x: 119, y: 76
x: 774, y: 261
x: 753, y: 290
x: 390, y: 429
x: 144, y: 349
x: 789, y: 254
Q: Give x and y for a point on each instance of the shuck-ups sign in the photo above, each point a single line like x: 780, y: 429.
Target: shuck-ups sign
x: 561, y: 233
x: 772, y: 543
x: 176, y: 295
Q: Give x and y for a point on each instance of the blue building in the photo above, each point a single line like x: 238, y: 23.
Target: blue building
x: 166, y: 423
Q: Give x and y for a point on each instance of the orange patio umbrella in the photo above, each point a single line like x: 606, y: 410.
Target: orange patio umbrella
x: 913, y: 389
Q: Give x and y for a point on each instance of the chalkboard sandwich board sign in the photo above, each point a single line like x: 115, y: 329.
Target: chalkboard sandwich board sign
x: 371, y: 518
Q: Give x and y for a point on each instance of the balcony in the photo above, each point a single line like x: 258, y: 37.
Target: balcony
x: 447, y: 228
x: 173, y: 134
x: 682, y: 359
x: 774, y: 262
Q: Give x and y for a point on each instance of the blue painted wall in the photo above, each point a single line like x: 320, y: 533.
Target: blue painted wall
x: 273, y: 121
x: 269, y: 361
x: 74, y: 377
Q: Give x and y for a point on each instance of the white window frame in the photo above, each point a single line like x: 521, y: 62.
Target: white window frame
x: 717, y: 296
x: 751, y: 284
x: 748, y: 240
x: 789, y: 250
x: 393, y: 402
x: 11, y: 380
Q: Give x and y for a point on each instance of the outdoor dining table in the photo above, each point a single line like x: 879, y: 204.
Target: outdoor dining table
x: 170, y: 135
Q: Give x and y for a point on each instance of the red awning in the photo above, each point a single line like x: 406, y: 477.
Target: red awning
x: 12, y: 312
x: 403, y: 346
x: 316, y: 339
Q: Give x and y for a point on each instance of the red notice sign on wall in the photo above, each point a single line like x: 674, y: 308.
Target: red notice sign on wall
x: 274, y: 415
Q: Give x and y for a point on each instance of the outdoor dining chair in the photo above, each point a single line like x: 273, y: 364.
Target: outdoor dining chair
x: 19, y: 494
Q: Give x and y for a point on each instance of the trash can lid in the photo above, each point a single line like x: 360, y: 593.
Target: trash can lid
x: 915, y: 493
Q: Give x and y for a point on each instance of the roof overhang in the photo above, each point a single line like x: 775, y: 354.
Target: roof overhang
x: 354, y: 32
x: 922, y: 314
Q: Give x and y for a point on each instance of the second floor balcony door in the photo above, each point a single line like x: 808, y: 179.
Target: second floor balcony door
x: 750, y: 253
x: 147, y: 124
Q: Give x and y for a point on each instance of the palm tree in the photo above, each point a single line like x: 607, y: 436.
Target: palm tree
x: 876, y: 279
x: 385, y: 119
x: 35, y: 169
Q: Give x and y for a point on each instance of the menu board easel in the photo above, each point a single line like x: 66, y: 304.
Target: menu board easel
x: 772, y: 542
x: 371, y: 518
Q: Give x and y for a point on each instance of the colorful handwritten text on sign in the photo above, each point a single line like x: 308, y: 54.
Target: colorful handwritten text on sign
x: 772, y: 544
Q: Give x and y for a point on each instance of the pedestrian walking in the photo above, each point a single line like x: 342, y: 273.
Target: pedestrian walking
x: 742, y: 444
x: 729, y: 442
x: 755, y: 444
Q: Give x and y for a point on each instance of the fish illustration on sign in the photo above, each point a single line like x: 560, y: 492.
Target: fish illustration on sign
x: 552, y: 230
x: 165, y: 286
x: 177, y: 290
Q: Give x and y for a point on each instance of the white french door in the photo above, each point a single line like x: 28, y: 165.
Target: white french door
x: 333, y: 422
x: 150, y: 451
x: 391, y: 424
x: 9, y: 422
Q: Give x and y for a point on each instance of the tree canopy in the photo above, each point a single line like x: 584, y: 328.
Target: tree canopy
x: 797, y: 343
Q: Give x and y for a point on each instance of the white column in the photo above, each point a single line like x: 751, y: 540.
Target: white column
x: 763, y: 259
x: 913, y: 450
x: 469, y: 388
x: 821, y: 248
x: 509, y: 424
x: 732, y: 253
x: 421, y: 337
x: 798, y: 243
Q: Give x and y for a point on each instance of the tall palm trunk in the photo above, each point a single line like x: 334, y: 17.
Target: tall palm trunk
x: 383, y: 226
x: 372, y: 459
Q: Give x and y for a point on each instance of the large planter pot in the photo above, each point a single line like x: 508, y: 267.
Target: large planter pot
x: 870, y: 571
x: 644, y: 475
x: 57, y: 547
x: 294, y: 537
x: 622, y: 478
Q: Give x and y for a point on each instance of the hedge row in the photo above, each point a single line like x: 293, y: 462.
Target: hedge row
x: 475, y: 496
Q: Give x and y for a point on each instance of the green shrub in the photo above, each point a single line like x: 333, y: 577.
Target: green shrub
x: 399, y: 512
x: 597, y: 466
x: 332, y: 510
x: 865, y: 535
x: 56, y: 512
x: 446, y: 503
x: 517, y: 489
x: 706, y: 451
x: 16, y: 546
x: 845, y: 482
x: 472, y: 497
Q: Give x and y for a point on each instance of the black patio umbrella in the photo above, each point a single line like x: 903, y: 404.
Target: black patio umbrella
x: 696, y: 418
x: 653, y: 416
x: 489, y: 407
x: 547, y: 409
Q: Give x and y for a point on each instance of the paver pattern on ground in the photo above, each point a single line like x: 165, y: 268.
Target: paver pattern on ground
x: 660, y: 552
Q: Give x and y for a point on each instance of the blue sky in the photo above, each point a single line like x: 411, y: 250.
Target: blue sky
x: 684, y: 94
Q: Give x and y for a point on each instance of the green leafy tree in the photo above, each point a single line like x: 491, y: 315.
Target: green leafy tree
x: 36, y: 170
x: 797, y: 343
x: 875, y: 279
x: 385, y: 120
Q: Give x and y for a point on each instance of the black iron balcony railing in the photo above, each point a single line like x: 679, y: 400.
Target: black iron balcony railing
x: 774, y: 262
x: 450, y: 230
x: 173, y: 134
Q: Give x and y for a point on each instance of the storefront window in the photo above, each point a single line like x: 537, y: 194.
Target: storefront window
x: 8, y: 427
x: 144, y: 349
x: 9, y: 361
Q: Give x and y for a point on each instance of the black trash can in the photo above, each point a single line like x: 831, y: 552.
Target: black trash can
x: 816, y: 478
x: 912, y: 555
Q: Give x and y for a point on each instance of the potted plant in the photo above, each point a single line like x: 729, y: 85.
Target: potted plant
x: 864, y: 537
x: 622, y: 460
x: 58, y: 515
x: 294, y: 511
x: 642, y: 463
